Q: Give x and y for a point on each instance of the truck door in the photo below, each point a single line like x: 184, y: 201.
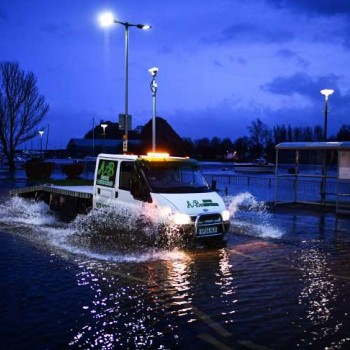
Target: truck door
x: 132, y: 185
x: 126, y: 168
x: 104, y: 189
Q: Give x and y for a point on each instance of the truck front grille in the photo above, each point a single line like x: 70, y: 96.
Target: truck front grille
x: 208, y: 225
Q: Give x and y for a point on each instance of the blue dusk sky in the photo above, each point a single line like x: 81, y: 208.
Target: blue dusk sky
x: 222, y: 63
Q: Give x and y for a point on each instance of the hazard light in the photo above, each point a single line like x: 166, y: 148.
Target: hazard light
x: 157, y: 155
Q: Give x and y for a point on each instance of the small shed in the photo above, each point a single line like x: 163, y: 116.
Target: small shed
x: 314, y: 173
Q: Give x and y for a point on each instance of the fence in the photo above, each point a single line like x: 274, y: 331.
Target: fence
x: 288, y: 188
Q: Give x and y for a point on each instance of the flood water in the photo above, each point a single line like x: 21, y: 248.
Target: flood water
x: 279, y: 280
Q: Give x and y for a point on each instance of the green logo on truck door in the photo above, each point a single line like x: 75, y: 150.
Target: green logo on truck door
x: 203, y: 203
x: 106, y: 172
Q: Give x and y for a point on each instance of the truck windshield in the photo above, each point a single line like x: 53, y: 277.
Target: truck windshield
x: 176, y: 177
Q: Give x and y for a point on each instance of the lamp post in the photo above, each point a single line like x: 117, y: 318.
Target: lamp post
x: 104, y: 126
x: 41, y: 132
x: 326, y: 93
x: 106, y: 20
x: 93, y: 137
x: 153, y: 71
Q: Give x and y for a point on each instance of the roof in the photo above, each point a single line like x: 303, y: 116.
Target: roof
x: 339, y: 145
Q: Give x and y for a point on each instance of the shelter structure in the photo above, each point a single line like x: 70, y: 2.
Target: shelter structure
x: 315, y: 173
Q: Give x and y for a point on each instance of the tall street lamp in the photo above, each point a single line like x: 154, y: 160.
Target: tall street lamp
x: 41, y: 133
x: 326, y: 93
x: 104, y: 126
x: 153, y: 71
x: 106, y: 20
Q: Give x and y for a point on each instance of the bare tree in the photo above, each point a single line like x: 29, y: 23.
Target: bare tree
x: 260, y: 137
x: 22, y: 108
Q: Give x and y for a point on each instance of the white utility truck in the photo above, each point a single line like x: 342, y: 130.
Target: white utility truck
x: 157, y: 180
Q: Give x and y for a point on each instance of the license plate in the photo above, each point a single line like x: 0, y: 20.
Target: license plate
x: 207, y: 231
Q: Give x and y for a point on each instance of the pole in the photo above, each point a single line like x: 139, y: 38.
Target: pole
x: 93, y: 136
x: 41, y: 146
x: 324, y: 162
x: 325, y: 120
x: 125, y: 138
x: 154, y: 124
x: 154, y: 87
x: 41, y: 132
x: 154, y: 91
x: 47, y: 136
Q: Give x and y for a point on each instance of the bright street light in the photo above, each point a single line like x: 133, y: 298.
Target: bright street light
x: 104, y: 126
x: 106, y: 20
x: 327, y: 92
x: 154, y: 86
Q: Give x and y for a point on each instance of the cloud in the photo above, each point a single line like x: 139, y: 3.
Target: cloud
x: 3, y: 15
x: 346, y: 34
x: 321, y: 7
x: 290, y: 55
x: 63, y: 30
x: 301, y: 83
x: 249, y: 32
x: 217, y: 63
x: 239, y: 60
x: 304, y: 85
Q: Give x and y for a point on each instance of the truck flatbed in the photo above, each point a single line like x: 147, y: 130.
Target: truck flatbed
x: 74, y: 191
x: 67, y: 200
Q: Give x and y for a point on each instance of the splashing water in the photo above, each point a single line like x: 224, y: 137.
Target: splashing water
x: 127, y: 229
x: 244, y: 199
x: 21, y: 211
x: 116, y: 234
x: 250, y: 216
x: 113, y: 229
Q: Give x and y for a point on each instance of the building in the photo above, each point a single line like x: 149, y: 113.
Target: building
x: 80, y: 148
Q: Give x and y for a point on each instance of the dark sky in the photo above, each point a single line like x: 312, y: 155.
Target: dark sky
x: 222, y: 63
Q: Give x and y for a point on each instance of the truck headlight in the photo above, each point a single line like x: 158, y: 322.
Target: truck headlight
x: 182, y: 219
x: 225, y: 215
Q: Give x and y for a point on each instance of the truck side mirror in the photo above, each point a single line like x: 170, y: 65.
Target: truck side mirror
x: 139, y: 190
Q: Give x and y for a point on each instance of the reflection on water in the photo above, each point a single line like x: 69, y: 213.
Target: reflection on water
x: 225, y: 281
x: 277, y: 282
x: 178, y: 278
x: 121, y: 313
x: 151, y: 311
x: 318, y: 294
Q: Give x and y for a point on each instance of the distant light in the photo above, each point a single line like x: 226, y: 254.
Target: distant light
x: 41, y: 133
x: 106, y: 19
x: 327, y: 92
x: 104, y: 126
x: 145, y: 26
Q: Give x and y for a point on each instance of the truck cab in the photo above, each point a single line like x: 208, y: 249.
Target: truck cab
x: 159, y: 181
